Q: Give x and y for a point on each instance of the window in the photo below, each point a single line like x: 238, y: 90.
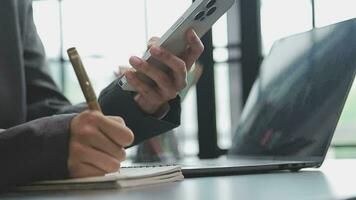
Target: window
x: 281, y: 18
x: 101, y: 33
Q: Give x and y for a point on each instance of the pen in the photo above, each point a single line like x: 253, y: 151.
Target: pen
x: 83, y: 79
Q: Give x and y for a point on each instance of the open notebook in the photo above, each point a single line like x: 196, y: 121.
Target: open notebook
x: 127, y: 177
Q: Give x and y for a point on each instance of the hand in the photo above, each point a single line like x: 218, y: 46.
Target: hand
x: 153, y: 99
x: 96, y: 145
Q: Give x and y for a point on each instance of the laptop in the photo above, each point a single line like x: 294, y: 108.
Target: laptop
x: 294, y: 106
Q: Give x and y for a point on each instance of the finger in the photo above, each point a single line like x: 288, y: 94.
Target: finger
x: 194, y: 50
x: 143, y: 89
x: 152, y: 41
x: 102, y: 143
x: 117, y: 132
x: 167, y: 86
x: 117, y: 119
x: 176, y: 64
x: 86, y: 170
x: 100, y: 160
x: 149, y: 70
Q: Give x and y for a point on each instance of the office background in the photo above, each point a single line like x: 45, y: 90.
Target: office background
x: 108, y: 32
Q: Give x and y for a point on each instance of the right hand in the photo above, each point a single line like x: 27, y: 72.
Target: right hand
x: 96, y: 145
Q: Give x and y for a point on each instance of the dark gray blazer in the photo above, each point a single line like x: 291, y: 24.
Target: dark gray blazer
x: 36, y: 116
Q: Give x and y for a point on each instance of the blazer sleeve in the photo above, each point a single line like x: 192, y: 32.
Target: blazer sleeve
x: 115, y: 101
x: 35, y: 150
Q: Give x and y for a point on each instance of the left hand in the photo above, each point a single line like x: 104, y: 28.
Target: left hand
x: 154, y: 100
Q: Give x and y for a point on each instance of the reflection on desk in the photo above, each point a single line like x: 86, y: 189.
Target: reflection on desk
x: 333, y: 181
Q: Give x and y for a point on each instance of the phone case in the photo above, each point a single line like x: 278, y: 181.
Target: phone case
x: 200, y: 16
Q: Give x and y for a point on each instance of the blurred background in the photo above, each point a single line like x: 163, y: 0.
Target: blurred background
x: 107, y: 32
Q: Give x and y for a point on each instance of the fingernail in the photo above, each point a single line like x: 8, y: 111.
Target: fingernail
x: 155, y: 50
x: 134, y: 60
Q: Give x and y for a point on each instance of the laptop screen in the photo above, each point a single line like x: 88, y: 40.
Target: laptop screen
x: 295, y: 104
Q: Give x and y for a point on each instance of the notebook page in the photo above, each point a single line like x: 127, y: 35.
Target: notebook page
x: 124, y: 174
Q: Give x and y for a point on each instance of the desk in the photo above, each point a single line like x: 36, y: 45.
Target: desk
x: 334, y: 180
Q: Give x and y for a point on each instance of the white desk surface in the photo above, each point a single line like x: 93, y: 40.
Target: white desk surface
x: 336, y: 179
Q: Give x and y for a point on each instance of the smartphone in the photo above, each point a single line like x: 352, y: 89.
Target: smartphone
x: 200, y: 17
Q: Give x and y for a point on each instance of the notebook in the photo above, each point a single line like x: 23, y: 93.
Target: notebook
x: 133, y: 176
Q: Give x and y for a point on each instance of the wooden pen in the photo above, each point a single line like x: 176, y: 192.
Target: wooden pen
x: 83, y: 79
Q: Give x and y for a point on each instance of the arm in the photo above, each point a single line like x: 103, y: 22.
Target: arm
x: 88, y: 144
x: 38, y: 149
x: 114, y: 101
x: 44, y: 98
x: 34, y: 151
